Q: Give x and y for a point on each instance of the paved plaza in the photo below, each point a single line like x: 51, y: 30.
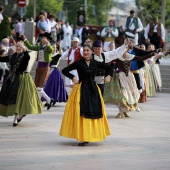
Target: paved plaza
x: 141, y: 142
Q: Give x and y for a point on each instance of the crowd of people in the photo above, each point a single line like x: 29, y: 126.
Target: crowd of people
x: 98, y: 73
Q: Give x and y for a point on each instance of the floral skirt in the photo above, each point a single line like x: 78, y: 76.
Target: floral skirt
x: 28, y: 101
x: 122, y: 91
x: 80, y: 128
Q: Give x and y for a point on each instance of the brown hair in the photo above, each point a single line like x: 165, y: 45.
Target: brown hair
x: 41, y: 16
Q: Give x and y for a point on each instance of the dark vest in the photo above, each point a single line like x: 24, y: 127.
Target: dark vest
x: 101, y: 72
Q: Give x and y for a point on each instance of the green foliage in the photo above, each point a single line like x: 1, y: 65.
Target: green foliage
x: 101, y: 9
x: 148, y: 8
x: 5, y: 28
x: 53, y: 6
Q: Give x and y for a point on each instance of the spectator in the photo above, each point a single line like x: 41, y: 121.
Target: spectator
x: 18, y: 29
x: 68, y: 31
x: 53, y: 27
x: 4, y: 71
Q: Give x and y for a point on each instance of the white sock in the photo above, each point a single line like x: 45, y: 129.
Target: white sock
x: 46, y: 97
x: 15, y: 118
x: 39, y: 89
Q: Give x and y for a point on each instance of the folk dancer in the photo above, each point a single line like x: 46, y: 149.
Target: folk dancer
x: 18, y: 95
x: 85, y: 117
x: 133, y: 25
x: 109, y: 33
x: 105, y: 57
x: 43, y: 68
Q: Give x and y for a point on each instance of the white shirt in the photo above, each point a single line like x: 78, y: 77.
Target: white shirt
x: 71, y: 57
x: 114, y: 33
x: 155, y: 30
x: 132, y: 25
x: 52, y: 23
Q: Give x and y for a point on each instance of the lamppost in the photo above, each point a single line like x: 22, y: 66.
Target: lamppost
x: 163, y: 12
x: 34, y: 9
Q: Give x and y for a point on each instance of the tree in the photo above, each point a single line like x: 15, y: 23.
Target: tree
x: 5, y: 28
x: 96, y: 13
x: 53, y: 6
x: 149, y: 8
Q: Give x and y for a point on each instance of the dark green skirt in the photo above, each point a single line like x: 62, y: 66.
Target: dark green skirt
x: 28, y: 101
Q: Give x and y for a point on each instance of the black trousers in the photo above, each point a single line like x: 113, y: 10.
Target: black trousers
x: 101, y: 86
x: 155, y: 40
x: 137, y: 78
x: 6, y: 73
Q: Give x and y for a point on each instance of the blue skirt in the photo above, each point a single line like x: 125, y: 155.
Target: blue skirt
x: 55, y: 87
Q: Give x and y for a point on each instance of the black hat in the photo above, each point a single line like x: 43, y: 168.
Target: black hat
x: 47, y: 35
x: 97, y: 43
x: 132, y: 12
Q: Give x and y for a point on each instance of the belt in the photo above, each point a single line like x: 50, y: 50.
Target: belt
x: 109, y: 39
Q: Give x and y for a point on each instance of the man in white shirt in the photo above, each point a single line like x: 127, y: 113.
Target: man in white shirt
x: 68, y: 31
x: 109, y: 33
x: 53, y: 27
x: 155, y: 31
x: 133, y: 25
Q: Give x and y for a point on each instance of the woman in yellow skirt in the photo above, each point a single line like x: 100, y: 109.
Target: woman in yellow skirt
x: 85, y: 115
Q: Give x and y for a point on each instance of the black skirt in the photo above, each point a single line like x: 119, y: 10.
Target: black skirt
x: 8, y: 94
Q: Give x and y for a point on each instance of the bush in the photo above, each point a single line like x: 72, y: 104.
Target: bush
x: 5, y: 29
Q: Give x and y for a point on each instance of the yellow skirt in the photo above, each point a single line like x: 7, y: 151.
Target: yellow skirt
x: 80, y: 128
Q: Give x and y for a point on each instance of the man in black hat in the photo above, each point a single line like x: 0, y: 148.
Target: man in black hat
x: 133, y: 25
x: 105, y: 57
x: 43, y: 68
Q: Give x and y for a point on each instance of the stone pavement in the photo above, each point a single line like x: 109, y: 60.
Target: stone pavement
x: 141, y: 142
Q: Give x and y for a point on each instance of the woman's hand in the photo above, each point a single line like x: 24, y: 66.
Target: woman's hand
x: 22, y: 36
x: 158, y: 56
x: 75, y: 81
x: 107, y: 79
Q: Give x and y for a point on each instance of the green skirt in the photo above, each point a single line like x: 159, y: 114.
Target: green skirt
x: 28, y: 101
x: 113, y: 94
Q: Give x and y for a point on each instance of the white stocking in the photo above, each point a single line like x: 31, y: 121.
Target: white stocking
x: 39, y: 89
x: 41, y: 93
x: 15, y: 118
x: 46, y: 97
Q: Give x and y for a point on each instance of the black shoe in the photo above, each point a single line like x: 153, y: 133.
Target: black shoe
x: 19, y: 120
x: 86, y: 142
x: 49, y: 105
x: 82, y: 144
x: 54, y: 102
x: 15, y: 124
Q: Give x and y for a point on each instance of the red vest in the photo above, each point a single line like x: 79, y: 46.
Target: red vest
x: 77, y: 55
